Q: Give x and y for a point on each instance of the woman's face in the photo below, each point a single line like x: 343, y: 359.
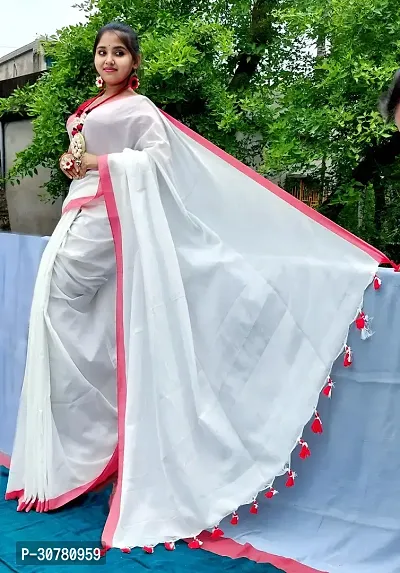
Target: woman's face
x: 112, y: 60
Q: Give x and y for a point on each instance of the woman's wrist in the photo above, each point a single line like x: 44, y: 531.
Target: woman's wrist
x: 92, y: 161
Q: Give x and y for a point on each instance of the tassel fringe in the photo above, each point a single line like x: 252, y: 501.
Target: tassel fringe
x: 35, y: 497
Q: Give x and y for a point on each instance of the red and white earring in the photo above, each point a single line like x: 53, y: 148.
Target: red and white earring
x: 99, y: 82
x: 134, y: 81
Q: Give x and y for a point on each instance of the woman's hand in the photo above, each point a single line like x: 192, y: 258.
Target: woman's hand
x: 88, y: 162
x: 74, y: 169
x: 68, y: 167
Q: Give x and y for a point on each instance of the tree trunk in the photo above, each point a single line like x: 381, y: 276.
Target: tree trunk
x: 4, y: 218
x: 261, y: 32
x: 380, y: 204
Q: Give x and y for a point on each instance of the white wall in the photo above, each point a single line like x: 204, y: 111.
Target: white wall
x: 28, y: 213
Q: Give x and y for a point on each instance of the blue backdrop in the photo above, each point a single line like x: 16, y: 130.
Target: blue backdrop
x: 342, y: 516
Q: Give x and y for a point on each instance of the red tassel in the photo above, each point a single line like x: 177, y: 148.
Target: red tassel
x: 305, y: 450
x: 217, y: 533
x: 195, y: 543
x: 290, y: 479
x: 316, y: 426
x: 348, y: 357
x: 377, y: 283
x: 235, y: 519
x: 327, y: 391
x: 103, y: 551
x: 254, y: 508
x: 360, y: 321
x: 148, y: 549
x: 125, y: 550
x: 169, y: 546
x: 270, y: 493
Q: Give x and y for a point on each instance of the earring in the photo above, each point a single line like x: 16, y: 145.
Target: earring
x: 134, y: 82
x: 99, y: 82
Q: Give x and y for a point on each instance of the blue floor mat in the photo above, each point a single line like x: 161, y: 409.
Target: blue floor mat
x: 83, y: 521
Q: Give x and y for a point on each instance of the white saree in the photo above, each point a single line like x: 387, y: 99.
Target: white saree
x: 185, y: 319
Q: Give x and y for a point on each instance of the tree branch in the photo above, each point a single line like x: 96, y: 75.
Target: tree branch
x: 260, y: 34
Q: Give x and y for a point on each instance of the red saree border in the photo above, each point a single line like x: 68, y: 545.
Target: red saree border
x: 273, y: 188
x: 226, y: 547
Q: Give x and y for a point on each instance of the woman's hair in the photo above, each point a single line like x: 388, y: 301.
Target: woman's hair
x: 391, y: 99
x: 127, y: 35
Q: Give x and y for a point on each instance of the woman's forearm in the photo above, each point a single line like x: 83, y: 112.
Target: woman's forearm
x: 91, y: 161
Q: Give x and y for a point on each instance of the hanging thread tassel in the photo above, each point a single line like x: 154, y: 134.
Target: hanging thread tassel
x: 362, y: 323
x: 195, y: 543
x: 235, y: 519
x: 348, y: 357
x: 377, y: 282
x: 316, y: 426
x: 360, y: 320
x: 217, y: 533
x: 327, y: 391
x: 291, y: 478
x: 271, y: 493
x: 254, y: 508
x: 169, y: 546
x: 305, y: 450
x: 148, y: 549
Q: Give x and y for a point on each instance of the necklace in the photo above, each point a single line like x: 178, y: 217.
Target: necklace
x: 78, y: 143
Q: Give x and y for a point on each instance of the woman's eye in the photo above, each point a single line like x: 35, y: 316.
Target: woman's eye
x: 119, y: 53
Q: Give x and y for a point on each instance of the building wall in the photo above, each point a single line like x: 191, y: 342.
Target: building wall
x: 27, y: 212
x: 22, y: 63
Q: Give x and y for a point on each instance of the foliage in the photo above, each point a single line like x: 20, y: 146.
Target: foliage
x: 327, y: 118
x: 287, y: 86
x: 190, y: 53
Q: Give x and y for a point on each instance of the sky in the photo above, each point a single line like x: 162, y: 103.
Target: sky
x: 22, y: 21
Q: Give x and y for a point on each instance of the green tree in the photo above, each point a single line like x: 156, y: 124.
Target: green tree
x: 202, y: 63
x: 327, y: 121
x: 297, y: 80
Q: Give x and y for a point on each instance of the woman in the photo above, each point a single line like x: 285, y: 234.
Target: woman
x: 186, y: 316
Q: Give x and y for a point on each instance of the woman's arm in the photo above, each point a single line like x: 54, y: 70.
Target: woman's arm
x: 89, y: 162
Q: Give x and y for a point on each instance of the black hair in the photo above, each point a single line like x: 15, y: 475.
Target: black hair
x: 390, y: 100
x: 127, y: 35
